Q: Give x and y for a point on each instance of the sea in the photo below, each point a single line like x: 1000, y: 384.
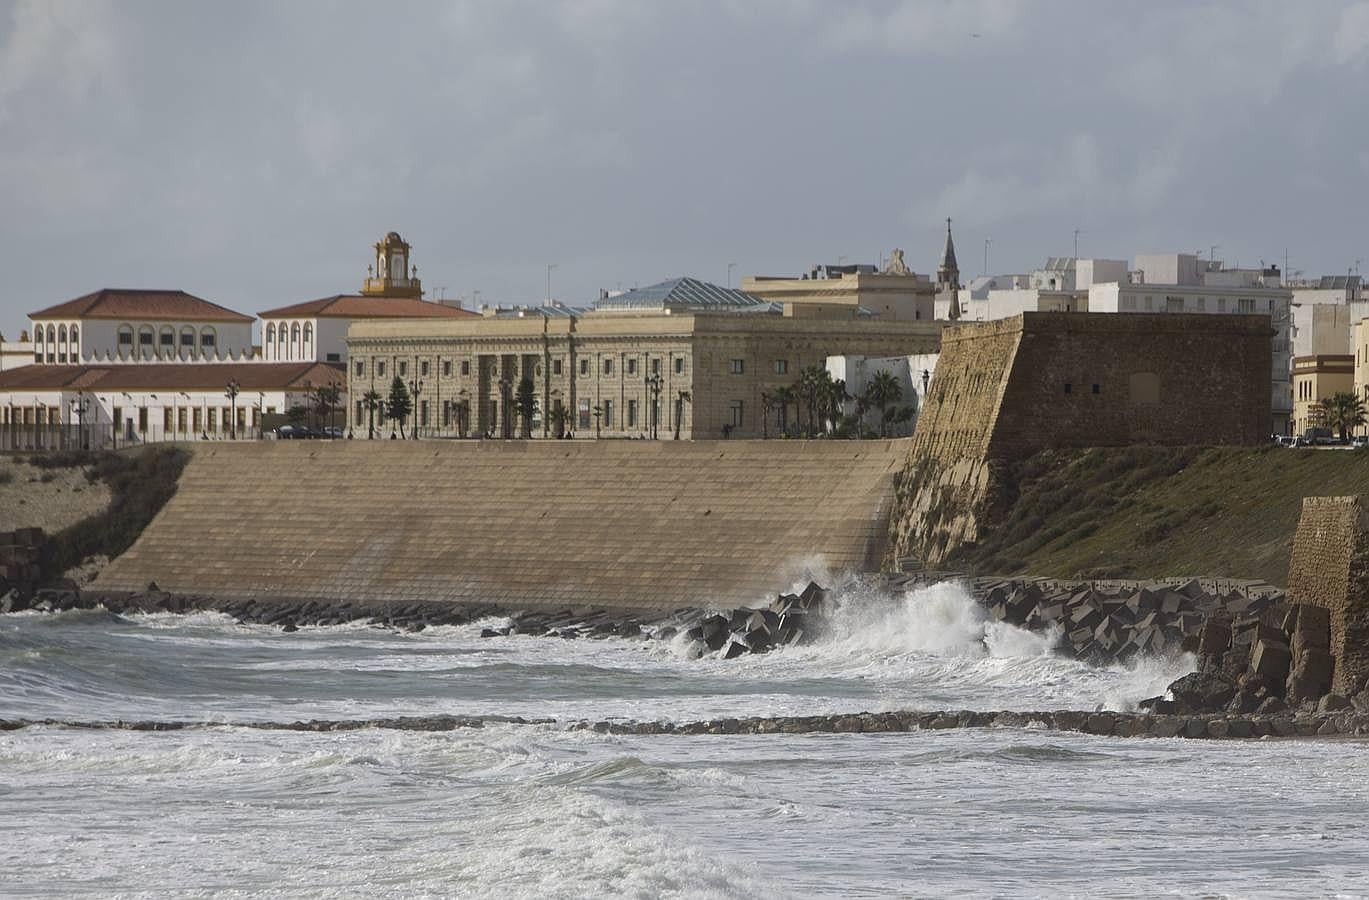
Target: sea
x: 226, y: 809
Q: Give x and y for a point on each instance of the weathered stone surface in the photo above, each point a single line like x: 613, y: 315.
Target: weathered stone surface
x: 1271, y: 660
x: 1202, y: 692
x: 1330, y: 569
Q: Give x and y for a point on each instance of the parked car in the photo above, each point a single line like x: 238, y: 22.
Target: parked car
x: 1359, y: 440
x: 1289, y: 440
x: 294, y: 432
x: 332, y: 431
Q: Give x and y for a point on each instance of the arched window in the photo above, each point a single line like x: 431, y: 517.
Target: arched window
x: 166, y: 341
x: 125, y: 340
x: 294, y: 341
x: 188, y: 341
x: 283, y: 332
x: 308, y: 340
x: 62, y: 343
x: 208, y: 340
x: 145, y: 338
x: 50, y: 345
x: 75, y: 335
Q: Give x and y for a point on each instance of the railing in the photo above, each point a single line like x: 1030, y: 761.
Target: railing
x: 104, y: 437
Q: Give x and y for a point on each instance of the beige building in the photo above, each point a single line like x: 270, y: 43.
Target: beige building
x: 614, y: 372
x: 894, y: 293
x: 1316, y: 378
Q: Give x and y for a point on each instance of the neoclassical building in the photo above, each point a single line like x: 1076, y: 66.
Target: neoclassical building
x: 683, y: 355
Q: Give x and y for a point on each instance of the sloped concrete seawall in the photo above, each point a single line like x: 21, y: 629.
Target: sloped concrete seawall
x: 617, y: 524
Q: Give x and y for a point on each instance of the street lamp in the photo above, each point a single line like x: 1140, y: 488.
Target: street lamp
x: 415, y: 388
x: 505, y: 393
x: 79, y: 405
x: 653, y: 386
x: 232, y: 394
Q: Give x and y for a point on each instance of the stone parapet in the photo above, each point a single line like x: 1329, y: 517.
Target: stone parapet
x: 1330, y: 569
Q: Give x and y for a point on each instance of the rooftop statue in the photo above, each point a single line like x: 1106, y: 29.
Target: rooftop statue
x: 896, y: 264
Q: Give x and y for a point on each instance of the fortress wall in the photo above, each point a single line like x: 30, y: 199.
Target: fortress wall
x: 1330, y: 568
x: 999, y: 394
x: 628, y: 524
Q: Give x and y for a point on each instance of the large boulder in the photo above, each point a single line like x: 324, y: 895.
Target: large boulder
x: 1203, y: 692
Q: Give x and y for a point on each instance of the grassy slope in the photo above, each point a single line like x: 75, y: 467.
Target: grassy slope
x: 1154, y: 512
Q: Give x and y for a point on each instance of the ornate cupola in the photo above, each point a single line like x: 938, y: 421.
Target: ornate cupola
x: 392, y: 275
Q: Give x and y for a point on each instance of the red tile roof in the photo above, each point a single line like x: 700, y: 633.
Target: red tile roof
x: 357, y: 306
x: 121, y: 303
x: 171, y: 376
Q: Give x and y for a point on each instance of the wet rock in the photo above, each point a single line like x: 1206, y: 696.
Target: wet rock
x: 1271, y: 660
x: 1202, y: 692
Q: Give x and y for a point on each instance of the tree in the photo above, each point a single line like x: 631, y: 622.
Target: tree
x: 296, y: 414
x: 558, y: 417
x: 783, y: 398
x: 882, y: 393
x: 399, y: 406
x: 370, y: 400
x: 525, y: 403
x: 325, y: 399
x: 767, y: 404
x: 598, y: 412
x: 1342, y: 411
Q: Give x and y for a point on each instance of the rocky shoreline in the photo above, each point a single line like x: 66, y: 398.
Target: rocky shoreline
x: 1218, y: 726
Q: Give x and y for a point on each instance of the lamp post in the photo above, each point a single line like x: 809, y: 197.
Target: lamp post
x: 653, y: 387
x: 79, y: 406
x: 505, y: 393
x: 309, y: 399
x: 415, y: 388
x: 232, y: 394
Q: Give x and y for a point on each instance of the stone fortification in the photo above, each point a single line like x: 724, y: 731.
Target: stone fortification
x: 1330, y: 569
x: 624, y: 524
x: 1040, y: 381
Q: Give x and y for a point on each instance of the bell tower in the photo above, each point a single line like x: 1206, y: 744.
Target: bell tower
x: 392, y: 275
x: 948, y: 277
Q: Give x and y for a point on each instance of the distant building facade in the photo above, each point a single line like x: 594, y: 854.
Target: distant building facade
x: 1316, y: 378
x: 16, y: 353
x: 914, y: 375
x: 680, y: 356
x: 122, y: 325
x: 894, y: 293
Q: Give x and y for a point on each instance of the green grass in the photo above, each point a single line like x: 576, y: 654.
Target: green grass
x: 1141, y: 512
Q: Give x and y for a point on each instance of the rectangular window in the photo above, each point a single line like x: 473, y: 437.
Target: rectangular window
x: 734, y: 411
x: 403, y: 368
x: 679, y: 365
x: 655, y: 367
x: 1149, y: 304
x: 632, y: 367
x: 465, y: 367
x: 1221, y: 304
x: 187, y: 338
x: 125, y: 339
x: 166, y: 419
x: 359, y: 415
x: 737, y: 366
x: 360, y: 367
x: 1174, y: 304
x: 1069, y: 388
x: 333, y: 357
x: 180, y: 419
x: 212, y: 417
x: 556, y: 367
x: 1246, y: 305
x: 423, y: 369
x: 608, y: 413
x: 423, y: 414
x: 1097, y: 389
x: 380, y: 368
x: 194, y: 419
x: 447, y: 369
x: 584, y: 367
x: 632, y: 414
x: 145, y: 338
x: 166, y: 339
x: 608, y: 367
x: 1202, y: 304
x: 781, y: 367
x: 206, y: 338
x: 584, y: 414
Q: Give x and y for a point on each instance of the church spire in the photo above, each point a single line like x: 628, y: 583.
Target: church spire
x: 948, y: 272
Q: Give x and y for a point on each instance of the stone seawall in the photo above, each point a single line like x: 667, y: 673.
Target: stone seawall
x: 618, y: 524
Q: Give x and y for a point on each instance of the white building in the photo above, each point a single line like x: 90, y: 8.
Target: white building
x: 914, y: 375
x: 139, y: 325
x: 99, y: 405
x: 1183, y: 283
x: 316, y: 330
x: 1324, y: 312
x: 16, y: 353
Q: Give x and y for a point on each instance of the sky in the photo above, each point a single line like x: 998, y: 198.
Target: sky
x: 253, y: 152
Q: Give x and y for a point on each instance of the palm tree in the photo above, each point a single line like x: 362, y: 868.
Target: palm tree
x: 883, y: 392
x: 370, y: 400
x: 558, y: 417
x: 767, y: 404
x: 1342, y: 411
x: 525, y: 403
x: 783, y: 399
